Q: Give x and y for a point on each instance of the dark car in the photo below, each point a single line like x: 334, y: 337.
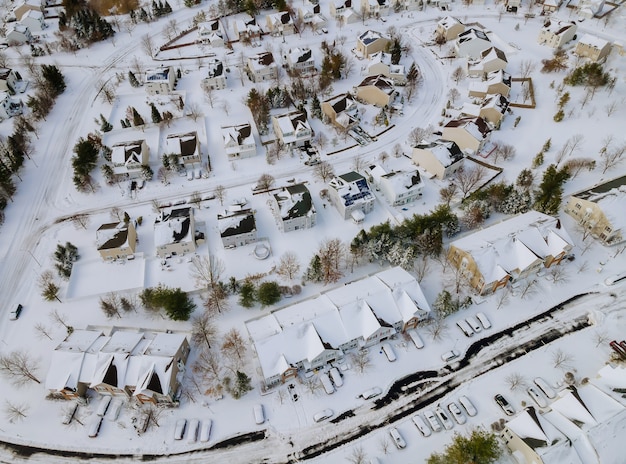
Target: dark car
x: 504, y: 404
x: 15, y: 314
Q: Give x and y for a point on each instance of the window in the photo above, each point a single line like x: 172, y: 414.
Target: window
x: 578, y: 206
x: 607, y: 229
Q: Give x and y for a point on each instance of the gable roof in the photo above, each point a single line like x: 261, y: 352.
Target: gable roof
x: 294, y: 201
x: 232, y: 223
x: 112, y: 235
x: 173, y: 226
x: 447, y: 152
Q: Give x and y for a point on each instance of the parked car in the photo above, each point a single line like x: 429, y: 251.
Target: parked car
x: 618, y: 349
x: 397, y: 438
x: 450, y: 355
x: 468, y: 406
x: 371, y: 393
x: 179, y: 430
x: 15, y: 314
x: 322, y: 415
x: 421, y: 425
x: 103, y: 405
x: 483, y: 320
x: 326, y: 383
x: 335, y: 376
x: 457, y: 414
x: 545, y: 388
x: 537, y: 397
x: 504, y: 404
x: 473, y: 323
x: 259, y: 414
x: 432, y: 420
x: 443, y: 417
x: 94, y: 427
x: 388, y: 350
x: 465, y: 328
x: 205, y: 430
x: 192, y: 431
x: 415, y: 338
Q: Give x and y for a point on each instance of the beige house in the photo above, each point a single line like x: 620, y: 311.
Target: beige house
x: 470, y: 134
x: 215, y: 78
x: 116, y: 240
x: 371, y: 42
x: 497, y: 82
x: 26, y: 5
x: 550, y: 6
x: 510, y: 250
x: 556, y: 33
x: 341, y: 110
x: 237, y: 227
x: 146, y: 366
x: 175, y: 232
x: 185, y: 146
x: 380, y: 63
x: 592, y: 47
x: 239, y: 141
x: 300, y: 60
x: 9, y: 106
x: 408, y: 5
x: 161, y: 81
x: 376, y: 90
x: 492, y: 109
x: 280, y: 24
x: 449, y: 28
x: 293, y: 208
x: 491, y: 59
x: 129, y: 158
x: 600, y: 211
x: 441, y: 158
x: 292, y: 129
x: 262, y: 68
x: 375, y: 8
x: 343, y: 12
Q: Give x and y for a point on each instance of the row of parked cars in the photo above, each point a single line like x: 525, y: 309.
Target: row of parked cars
x: 471, y: 325
x: 330, y: 380
x: 191, y: 428
x: 540, y: 392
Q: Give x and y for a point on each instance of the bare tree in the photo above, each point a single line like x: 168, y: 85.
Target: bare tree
x: 601, y: 338
x: 80, y: 220
x: 311, y: 385
x: 571, y: 145
x: 469, y: 178
x: 203, y: 330
x: 15, y: 412
x: 110, y: 305
x: 359, y: 163
x: 458, y: 74
x: 447, y: 193
x: 208, y: 365
x: 60, y: 319
x: 220, y: 193
x: 528, y: 288
x: 437, y: 329
x: 48, y: 286
x: 324, y: 171
x: 609, y: 158
x: 611, y: 108
x: 234, y: 346
x: 515, y: 381
x: 361, y: 361
x: 561, y: 359
x: 558, y: 274
x: 206, y: 270
x: 193, y: 110
x: 384, y: 445
x: 504, y: 151
x: 421, y: 266
x: 209, y: 93
x: 526, y: 67
x: 153, y: 415
x: 19, y: 367
x: 332, y: 253
x: 357, y: 456
x: 503, y: 298
x: 43, y: 330
x: 397, y: 150
x: 453, y: 94
x: 147, y: 45
x: 264, y: 182
x: 288, y: 266
x: 418, y: 134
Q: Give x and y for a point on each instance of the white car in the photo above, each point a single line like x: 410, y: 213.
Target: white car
x: 537, y: 397
x: 421, y: 425
x: 468, y: 406
x: 457, y: 414
x: 473, y: 323
x: 94, y: 427
x: 205, y: 430
x: 192, y: 431
x: 450, y: 355
x: 397, y: 438
x: 545, y: 388
x: 371, y: 393
x: 432, y: 420
x: 259, y: 414
x: 415, y: 338
x: 323, y: 415
x: 483, y: 320
x: 388, y: 350
x: 179, y: 430
x: 465, y: 328
x: 335, y: 376
x: 443, y: 417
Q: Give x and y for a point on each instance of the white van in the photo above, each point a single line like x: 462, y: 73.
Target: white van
x: 388, y: 350
x: 415, y: 338
x: 465, y: 328
x: 205, y: 430
x: 421, y: 426
x: 371, y: 393
x: 335, y: 376
x: 192, y: 431
x: 483, y: 320
x: 94, y: 427
x: 259, y: 415
x: 103, y: 406
x: 326, y: 383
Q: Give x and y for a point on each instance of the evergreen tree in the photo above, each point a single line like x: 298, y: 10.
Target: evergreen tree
x: 480, y: 447
x: 137, y: 119
x: 176, y: 303
x: 268, y: 293
x: 156, y: 116
x: 548, y: 196
x: 84, y: 161
x: 146, y: 172
x: 314, y: 271
x: 316, y: 109
x: 132, y: 79
x: 396, y: 50
x: 242, y: 385
x: 167, y: 9
x: 247, y: 294
x: 108, y: 174
x: 105, y: 126
x: 54, y: 81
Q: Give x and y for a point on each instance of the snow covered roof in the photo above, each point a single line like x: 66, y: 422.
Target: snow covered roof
x: 182, y: 144
x: 446, y: 151
x: 233, y: 223
x: 586, y: 405
x: 370, y: 36
x: 236, y: 136
x: 158, y: 75
x: 557, y: 27
x: 448, y: 22
x: 300, y: 55
x: 261, y: 61
x: 535, y: 430
x: 215, y: 68
x: 396, y: 181
x: 352, y: 188
x: 112, y: 235
x: 294, y: 201
x: 593, y: 41
x: 173, y: 226
x: 291, y: 123
x: 472, y: 34
x: 475, y: 126
x: 380, y: 81
x: 611, y: 199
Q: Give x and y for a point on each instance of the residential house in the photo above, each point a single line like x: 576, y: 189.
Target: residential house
x: 16, y: 34
x: 587, y: 406
x: 470, y: 134
x: 471, y: 43
x: 593, y: 47
x: 351, y: 195
x: 600, y: 209
x: 313, y: 333
x: 497, y: 82
x: 341, y: 110
x: 300, y: 61
x: 10, y: 81
x: 491, y: 59
x: 129, y: 158
x: 293, y: 208
x: 449, y: 28
x: 590, y: 8
x: 280, y: 24
x: 375, y: 8
x: 376, y: 90
x: 292, y: 129
x: 441, y: 158
x: 492, y: 109
x: 22, y: 7
x: 211, y: 33
x: 550, y: 6
x: 175, y: 232
x: 262, y: 68
x: 371, y: 42
x: 161, y: 81
x: 116, y: 240
x: 510, y: 250
x: 380, y: 63
x: 311, y: 15
x: 239, y: 141
x: 343, y: 12
x: 512, y: 5
x: 409, y: 5
x: 556, y: 33
x: 33, y: 20
x: 9, y: 106
x: 146, y: 366
x: 246, y: 29
x: 398, y: 187
x: 185, y: 146
x: 237, y: 227
x: 215, y: 78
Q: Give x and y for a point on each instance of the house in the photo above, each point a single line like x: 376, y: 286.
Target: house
x: 470, y: 134
x: 146, y: 366
x: 398, y: 187
x: 380, y: 63
x: 311, y: 334
x: 300, y: 60
x: 471, y: 43
x: 590, y: 8
x: 592, y: 47
x: 343, y: 13
x: 492, y: 109
x: 376, y: 90
x: 510, y: 250
x: 371, y: 42
x: 375, y: 8
x: 237, y: 227
x: 24, y: 6
x: 587, y: 406
x: 185, y: 146
x: 238, y: 141
x: 441, y: 158
x: 116, y: 240
x: 311, y: 15
x: 246, y: 29
x: 10, y: 81
x: 341, y: 110
x: 449, y: 28
x: 292, y: 129
x: 161, y: 81
x: 9, y: 106
x: 409, y: 5
x: 210, y: 33
x: 175, y: 232
x: 280, y: 24
x: 351, y: 195
x: 33, y: 20
x: 512, y: 5
x: 599, y: 210
x: 497, y: 82
x: 550, y: 6
x: 261, y: 67
x: 293, y: 208
x: 556, y: 33
x: 491, y: 59
x: 129, y: 158
x: 215, y: 78
x: 16, y: 34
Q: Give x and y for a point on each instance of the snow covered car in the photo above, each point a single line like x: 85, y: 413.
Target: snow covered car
x: 371, y: 393
x: 323, y: 415
x: 545, y: 388
x: 179, y: 429
x: 192, y: 431
x: 421, y: 425
x: 415, y: 338
x: 537, y: 397
x: 483, y: 320
x: 473, y: 323
x: 205, y: 430
x: 450, y: 355
x: 468, y: 406
x: 397, y: 438
x: 443, y: 417
x: 259, y: 414
x: 457, y: 414
x: 432, y: 420
x: 388, y: 350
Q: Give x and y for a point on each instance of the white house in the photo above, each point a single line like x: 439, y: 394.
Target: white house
x: 215, y: 77
x: 261, y: 67
x: 292, y: 129
x: 246, y: 29
x: 185, y: 146
x: 471, y: 43
x: 239, y: 141
x: 128, y: 158
x: 237, y: 227
x: 589, y: 8
x: 593, y: 47
x: 375, y: 8
x: 16, y: 34
x: 300, y: 60
x: 343, y: 12
x: 33, y: 20
x: 398, y: 187
x: 9, y: 106
x: 441, y: 158
x: 496, y: 82
x: 556, y: 33
x: 293, y: 208
x: 11, y: 81
x: 280, y: 24
x: 351, y: 195
x: 175, y: 232
x: 311, y: 15
x: 491, y: 59
x: 211, y: 33
x: 160, y: 81
x: 380, y: 63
